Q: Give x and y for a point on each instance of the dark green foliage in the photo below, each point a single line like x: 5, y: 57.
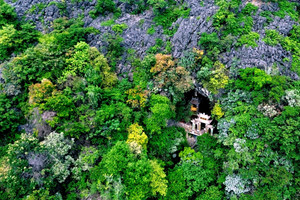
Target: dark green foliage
x: 213, y: 45
x: 35, y: 64
x: 189, y: 177
x: 209, y: 41
x: 114, y: 48
x: 157, y: 48
x: 7, y: 14
x: 67, y: 33
x: 163, y: 150
x: 122, y: 174
x: 15, y: 35
x: 249, y: 9
x: 248, y: 40
x: 62, y: 84
x: 268, y: 15
x: 272, y: 37
x: 141, y: 75
x: 285, y: 136
x: 264, y: 86
x: 287, y: 8
x: 253, y: 79
x: 103, y: 7
x: 212, y: 193
x: 168, y: 16
x: 10, y: 118
x: 160, y: 107
x: 47, y: 59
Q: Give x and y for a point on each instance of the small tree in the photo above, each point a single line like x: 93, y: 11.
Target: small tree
x: 136, y: 135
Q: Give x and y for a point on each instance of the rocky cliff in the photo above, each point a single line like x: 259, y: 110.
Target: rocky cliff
x: 189, y: 29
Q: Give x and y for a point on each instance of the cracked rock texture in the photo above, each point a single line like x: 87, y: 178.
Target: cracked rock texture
x: 187, y: 35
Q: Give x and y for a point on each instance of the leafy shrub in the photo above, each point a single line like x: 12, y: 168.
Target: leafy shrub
x: 248, y: 39
x: 151, y: 30
x: 189, y: 178
x: 287, y: 8
x: 168, y: 16
x: 249, y: 9
x: 46, y: 60
x: 67, y: 33
x: 136, y: 135
x: 268, y: 15
x: 9, y: 117
x: 157, y: 5
x: 158, y: 182
x: 252, y: 79
x: 108, y: 22
x: 217, y: 79
x: 40, y: 91
x: 175, y: 79
x: 102, y: 7
x: 231, y: 23
x: 37, y: 8
x: 272, y: 37
x: 160, y: 113
x: 114, y: 48
x: 213, y: 45
x: 35, y: 64
x: 217, y: 112
x: 210, y: 42
x: 123, y: 175
x: 15, y: 39
x: 160, y: 149
x: 137, y: 97
x: 87, y: 62
x: 7, y: 14
x: 119, y: 28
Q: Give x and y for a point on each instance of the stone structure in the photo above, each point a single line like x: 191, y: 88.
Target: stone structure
x: 201, y: 125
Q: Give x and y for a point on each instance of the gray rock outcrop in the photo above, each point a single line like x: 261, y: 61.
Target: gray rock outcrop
x: 188, y: 33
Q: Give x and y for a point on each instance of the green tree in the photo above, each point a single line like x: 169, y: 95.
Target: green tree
x: 218, y: 78
x: 9, y: 117
x: 158, y: 179
x: 160, y: 112
x: 136, y: 135
x: 189, y: 177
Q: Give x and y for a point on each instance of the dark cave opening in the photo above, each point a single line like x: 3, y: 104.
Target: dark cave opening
x: 192, y: 104
x: 192, y: 98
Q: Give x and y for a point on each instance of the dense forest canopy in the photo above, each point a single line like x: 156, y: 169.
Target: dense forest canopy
x: 89, y: 110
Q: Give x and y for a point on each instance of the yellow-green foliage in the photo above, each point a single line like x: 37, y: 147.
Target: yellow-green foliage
x: 158, y: 179
x: 88, y: 61
x: 137, y: 97
x: 218, y: 78
x: 217, y: 112
x: 100, y: 64
x: 136, y: 135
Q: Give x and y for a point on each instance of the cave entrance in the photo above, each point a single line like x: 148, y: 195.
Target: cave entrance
x: 198, y: 102
x: 194, y: 114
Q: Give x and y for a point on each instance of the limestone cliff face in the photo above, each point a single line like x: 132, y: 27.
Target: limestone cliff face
x: 187, y: 35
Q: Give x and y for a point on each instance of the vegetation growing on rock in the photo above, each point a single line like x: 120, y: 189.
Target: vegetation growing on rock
x: 94, y: 95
